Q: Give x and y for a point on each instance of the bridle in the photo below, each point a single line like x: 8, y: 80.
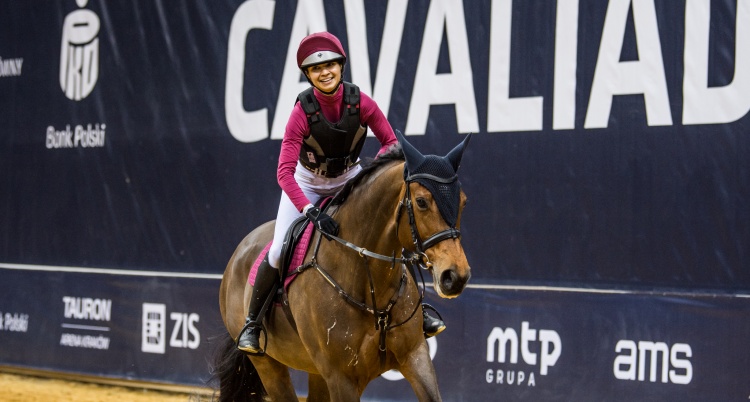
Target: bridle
x: 422, y: 246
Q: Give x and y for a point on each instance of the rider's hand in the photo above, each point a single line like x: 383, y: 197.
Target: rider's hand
x: 322, y: 221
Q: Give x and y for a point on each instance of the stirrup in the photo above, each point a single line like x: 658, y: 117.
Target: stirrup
x: 440, y: 317
x: 251, y: 325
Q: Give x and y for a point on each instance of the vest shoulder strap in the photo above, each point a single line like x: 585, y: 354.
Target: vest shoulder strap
x: 351, y: 97
x: 310, y: 105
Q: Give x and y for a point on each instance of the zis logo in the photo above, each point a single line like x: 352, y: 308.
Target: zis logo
x: 184, y: 333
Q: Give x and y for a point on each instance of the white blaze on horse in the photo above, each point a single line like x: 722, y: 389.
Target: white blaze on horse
x: 354, y: 310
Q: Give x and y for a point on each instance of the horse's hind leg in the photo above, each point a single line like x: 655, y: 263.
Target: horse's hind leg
x: 275, y: 378
x: 317, y: 389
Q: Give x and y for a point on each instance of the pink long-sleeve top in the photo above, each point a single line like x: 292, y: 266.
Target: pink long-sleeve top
x: 297, y: 130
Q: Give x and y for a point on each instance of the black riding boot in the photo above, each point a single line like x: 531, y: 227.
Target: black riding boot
x: 265, y: 281
x: 431, y: 325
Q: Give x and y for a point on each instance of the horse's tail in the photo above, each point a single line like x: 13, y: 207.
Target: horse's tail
x: 237, y: 377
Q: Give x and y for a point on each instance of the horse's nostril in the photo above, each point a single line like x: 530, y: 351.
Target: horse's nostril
x: 448, y: 279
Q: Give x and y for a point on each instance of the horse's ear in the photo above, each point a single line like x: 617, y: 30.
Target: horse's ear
x: 454, y: 156
x: 413, y: 157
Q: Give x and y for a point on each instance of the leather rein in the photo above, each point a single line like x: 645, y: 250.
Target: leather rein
x: 410, y: 259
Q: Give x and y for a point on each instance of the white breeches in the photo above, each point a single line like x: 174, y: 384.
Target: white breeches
x: 314, y: 187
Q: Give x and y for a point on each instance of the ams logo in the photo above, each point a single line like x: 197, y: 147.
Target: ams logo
x: 636, y: 357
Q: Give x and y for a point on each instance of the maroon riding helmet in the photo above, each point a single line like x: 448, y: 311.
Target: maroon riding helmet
x: 319, y: 48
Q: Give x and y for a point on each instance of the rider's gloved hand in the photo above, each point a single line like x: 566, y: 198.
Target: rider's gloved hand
x: 322, y: 221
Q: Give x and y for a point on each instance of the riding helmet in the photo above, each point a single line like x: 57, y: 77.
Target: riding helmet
x: 320, y: 47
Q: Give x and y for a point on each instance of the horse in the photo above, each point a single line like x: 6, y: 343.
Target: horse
x: 354, y: 309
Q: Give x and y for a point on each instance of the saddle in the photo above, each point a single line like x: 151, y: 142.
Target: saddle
x: 296, y: 242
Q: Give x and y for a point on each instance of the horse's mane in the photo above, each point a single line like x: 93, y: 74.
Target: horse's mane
x: 369, y: 166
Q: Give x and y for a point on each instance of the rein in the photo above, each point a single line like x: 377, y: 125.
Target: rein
x: 408, y: 259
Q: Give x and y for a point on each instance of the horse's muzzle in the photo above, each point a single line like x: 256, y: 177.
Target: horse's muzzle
x: 451, y: 284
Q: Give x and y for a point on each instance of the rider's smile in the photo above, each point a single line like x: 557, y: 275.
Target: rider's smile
x: 326, y: 76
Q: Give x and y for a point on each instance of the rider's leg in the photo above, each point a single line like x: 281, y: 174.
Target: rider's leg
x: 248, y: 341
x: 431, y: 325
x: 265, y: 280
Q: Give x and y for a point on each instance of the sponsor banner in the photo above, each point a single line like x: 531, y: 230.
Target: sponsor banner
x: 500, y: 344
x: 130, y: 327
x: 552, y: 345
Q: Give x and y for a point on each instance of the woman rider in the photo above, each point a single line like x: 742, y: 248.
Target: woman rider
x: 319, y: 154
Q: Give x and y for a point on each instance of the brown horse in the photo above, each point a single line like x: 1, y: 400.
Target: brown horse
x: 354, y: 311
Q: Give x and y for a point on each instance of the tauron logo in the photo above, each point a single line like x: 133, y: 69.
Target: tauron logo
x: 79, y: 53
x: 86, y: 308
x: 79, y: 335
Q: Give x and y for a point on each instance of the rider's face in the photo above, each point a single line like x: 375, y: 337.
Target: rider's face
x: 325, y: 76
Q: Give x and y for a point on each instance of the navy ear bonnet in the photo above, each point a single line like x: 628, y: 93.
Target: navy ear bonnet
x: 438, y: 174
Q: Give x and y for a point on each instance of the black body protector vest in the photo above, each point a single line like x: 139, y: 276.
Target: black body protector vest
x: 332, y: 148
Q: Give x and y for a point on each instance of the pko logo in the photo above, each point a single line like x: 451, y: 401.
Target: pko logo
x: 184, y: 334
x: 79, y: 52
x: 632, y: 357
x: 542, y: 347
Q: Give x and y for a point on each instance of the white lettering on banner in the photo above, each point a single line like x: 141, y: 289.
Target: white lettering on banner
x: 245, y: 126
x: 85, y: 308
x: 184, y: 334
x: 85, y: 341
x: 14, y: 322
x: 185, y: 323
x: 509, y: 377
x: 701, y: 104
x: 454, y: 88
x: 566, y: 63
x: 506, y: 114
x: 10, y: 67
x: 612, y: 77
x: 504, y: 344
x: 90, y: 137
x: 509, y: 337
x: 359, y: 59
x: 631, y: 356
x: 310, y: 17
x: 643, y: 76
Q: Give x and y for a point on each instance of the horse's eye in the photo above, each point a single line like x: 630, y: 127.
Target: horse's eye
x: 421, y: 203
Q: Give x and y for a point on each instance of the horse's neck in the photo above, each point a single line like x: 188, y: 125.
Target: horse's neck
x: 368, y: 219
x: 371, y: 210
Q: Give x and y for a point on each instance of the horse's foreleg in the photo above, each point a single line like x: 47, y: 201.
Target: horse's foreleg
x: 275, y: 378
x: 419, y: 371
x: 341, y: 387
x: 317, y: 389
